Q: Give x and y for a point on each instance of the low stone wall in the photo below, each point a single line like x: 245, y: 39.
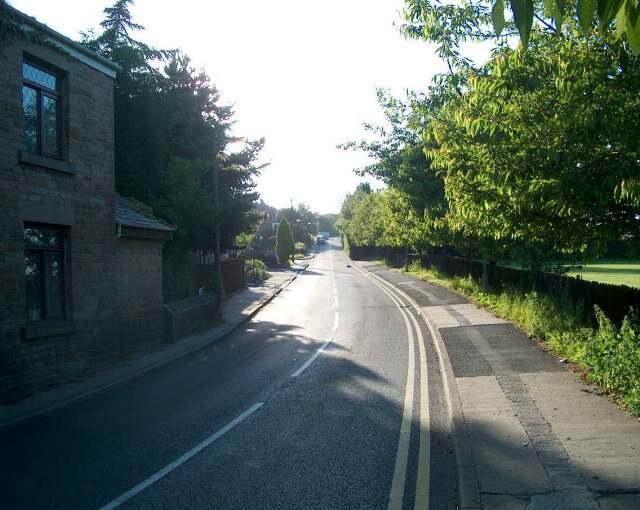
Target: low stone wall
x: 192, y: 315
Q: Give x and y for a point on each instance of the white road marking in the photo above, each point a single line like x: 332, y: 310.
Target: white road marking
x: 334, y: 329
x: 181, y: 460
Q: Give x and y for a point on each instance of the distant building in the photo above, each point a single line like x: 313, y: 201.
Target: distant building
x: 80, y: 267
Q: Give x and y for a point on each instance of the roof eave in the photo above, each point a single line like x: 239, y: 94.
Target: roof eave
x: 72, y: 47
x: 151, y: 234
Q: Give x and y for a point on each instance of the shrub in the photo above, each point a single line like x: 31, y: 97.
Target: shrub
x: 256, y: 270
x: 613, y: 357
x: 300, y: 247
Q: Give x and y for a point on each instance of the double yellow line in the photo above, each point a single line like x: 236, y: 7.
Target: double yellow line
x: 396, y: 496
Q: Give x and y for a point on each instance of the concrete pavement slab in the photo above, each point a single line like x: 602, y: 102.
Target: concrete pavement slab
x: 502, y: 502
x: 603, y: 441
x: 507, y: 464
x: 619, y: 502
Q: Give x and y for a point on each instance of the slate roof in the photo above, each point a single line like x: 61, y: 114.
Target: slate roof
x: 131, y: 213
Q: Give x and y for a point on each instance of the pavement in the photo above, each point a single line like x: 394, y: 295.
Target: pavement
x: 235, y: 311
x: 532, y: 434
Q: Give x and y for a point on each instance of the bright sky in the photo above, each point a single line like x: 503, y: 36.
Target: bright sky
x: 302, y: 74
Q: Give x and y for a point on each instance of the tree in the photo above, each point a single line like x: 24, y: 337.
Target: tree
x: 172, y: 134
x: 453, y: 23
x: 399, y: 161
x: 327, y: 223
x: 285, y: 246
x: 303, y: 221
x: 539, y: 146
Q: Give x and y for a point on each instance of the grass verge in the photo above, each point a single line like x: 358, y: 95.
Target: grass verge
x: 614, y: 272
x: 608, y: 354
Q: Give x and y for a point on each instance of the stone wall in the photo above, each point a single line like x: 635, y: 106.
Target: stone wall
x: 141, y: 315
x: 107, y: 278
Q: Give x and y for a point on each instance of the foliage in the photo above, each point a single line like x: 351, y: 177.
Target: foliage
x: 399, y: 161
x: 285, y: 247
x: 11, y: 26
x: 303, y: 222
x: 613, y: 357
x: 531, y: 156
x: 256, y: 270
x: 171, y: 135
x: 177, y: 277
x: 610, y: 354
x: 360, y: 218
x: 401, y: 223
x: 485, y: 19
x: 300, y: 247
x: 327, y: 223
x: 533, y: 125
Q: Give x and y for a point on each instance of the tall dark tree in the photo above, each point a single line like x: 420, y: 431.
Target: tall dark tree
x: 172, y: 132
x: 285, y: 247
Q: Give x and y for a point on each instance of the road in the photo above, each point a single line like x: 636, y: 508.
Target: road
x: 329, y: 398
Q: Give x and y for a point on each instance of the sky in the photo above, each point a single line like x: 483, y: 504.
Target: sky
x: 301, y: 74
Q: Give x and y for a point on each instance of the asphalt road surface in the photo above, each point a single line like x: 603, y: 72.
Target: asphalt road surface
x: 323, y: 400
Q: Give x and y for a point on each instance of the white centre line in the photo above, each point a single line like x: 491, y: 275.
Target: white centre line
x: 334, y: 329
x: 181, y: 460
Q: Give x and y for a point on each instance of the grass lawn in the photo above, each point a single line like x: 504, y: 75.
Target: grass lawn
x: 625, y: 272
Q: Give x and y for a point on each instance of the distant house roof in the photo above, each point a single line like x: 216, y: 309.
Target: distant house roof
x: 135, y: 219
x: 73, y: 48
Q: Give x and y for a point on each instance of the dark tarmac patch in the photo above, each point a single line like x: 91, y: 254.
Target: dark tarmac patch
x: 466, y: 360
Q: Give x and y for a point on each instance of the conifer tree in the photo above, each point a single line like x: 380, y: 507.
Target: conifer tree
x: 285, y: 246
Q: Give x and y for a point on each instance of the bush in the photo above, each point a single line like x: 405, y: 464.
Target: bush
x: 613, y: 357
x: 300, y: 248
x: 256, y: 270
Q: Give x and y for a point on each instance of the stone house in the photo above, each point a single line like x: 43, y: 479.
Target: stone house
x: 80, y: 267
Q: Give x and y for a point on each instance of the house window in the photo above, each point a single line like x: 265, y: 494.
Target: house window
x: 41, y: 110
x: 44, y: 271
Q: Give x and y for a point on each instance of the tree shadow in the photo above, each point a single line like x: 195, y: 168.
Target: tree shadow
x: 325, y: 439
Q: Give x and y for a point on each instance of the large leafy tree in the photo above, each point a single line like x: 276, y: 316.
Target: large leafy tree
x: 399, y: 161
x: 450, y: 23
x: 541, y: 145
